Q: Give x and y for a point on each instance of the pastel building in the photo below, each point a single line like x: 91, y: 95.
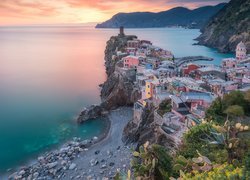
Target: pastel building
x: 229, y: 63
x: 133, y: 43
x: 150, y: 87
x: 241, y: 51
x: 130, y: 62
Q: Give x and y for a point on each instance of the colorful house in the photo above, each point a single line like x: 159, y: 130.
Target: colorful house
x: 154, y: 61
x: 189, y: 68
x: 150, y: 87
x: 228, y: 63
x: 133, y: 43
x: 130, y: 62
x: 192, y: 101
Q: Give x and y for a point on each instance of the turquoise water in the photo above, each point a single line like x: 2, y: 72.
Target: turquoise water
x: 47, y: 74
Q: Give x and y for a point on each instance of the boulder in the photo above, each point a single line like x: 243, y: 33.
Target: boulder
x: 72, y: 166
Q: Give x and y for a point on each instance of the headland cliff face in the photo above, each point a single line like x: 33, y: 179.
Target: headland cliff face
x: 119, y: 89
x: 228, y: 27
x: 144, y: 129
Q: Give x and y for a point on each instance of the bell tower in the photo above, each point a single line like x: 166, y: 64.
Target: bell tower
x: 241, y: 51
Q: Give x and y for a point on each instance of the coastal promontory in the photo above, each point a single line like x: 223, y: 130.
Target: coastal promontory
x: 227, y: 28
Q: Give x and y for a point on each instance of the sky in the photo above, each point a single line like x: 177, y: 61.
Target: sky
x: 28, y: 12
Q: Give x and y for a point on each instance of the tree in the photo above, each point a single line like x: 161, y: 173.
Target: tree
x: 234, y: 111
x: 216, y: 111
x: 164, y: 107
x: 234, y: 98
x: 247, y: 95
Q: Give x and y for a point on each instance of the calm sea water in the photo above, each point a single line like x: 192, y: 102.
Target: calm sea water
x: 47, y: 74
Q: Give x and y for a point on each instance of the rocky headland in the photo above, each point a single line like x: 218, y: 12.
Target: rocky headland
x: 228, y: 27
x: 119, y: 89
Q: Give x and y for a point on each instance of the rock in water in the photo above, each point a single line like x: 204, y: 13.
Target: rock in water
x: 91, y: 112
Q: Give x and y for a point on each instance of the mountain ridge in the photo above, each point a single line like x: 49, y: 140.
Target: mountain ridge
x: 178, y: 16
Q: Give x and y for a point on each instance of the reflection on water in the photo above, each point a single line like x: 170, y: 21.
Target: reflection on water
x: 47, y: 74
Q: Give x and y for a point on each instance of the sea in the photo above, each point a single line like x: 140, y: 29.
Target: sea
x: 48, y: 74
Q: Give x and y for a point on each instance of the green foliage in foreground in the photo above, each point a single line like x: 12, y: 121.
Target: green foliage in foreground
x: 232, y: 105
x: 221, y: 172
x: 152, y: 162
x: 193, y: 140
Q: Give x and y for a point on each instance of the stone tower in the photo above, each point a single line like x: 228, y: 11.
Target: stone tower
x: 121, y: 31
x: 241, y: 51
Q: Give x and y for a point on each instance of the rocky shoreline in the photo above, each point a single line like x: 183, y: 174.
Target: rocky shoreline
x: 94, y: 158
x: 44, y: 166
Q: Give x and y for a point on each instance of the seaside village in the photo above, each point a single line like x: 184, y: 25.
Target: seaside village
x: 180, y: 89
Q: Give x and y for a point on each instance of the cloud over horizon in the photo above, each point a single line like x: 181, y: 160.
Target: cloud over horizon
x: 80, y: 11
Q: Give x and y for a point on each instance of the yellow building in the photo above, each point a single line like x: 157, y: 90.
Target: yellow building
x: 150, y: 86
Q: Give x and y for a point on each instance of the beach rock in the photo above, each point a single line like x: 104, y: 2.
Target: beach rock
x: 109, y: 153
x: 63, y: 163
x: 72, y: 166
x: 65, y: 149
x: 104, y: 166
x: 95, y: 138
x: 52, y: 165
x: 111, y: 164
x: 93, y: 162
x: 97, y: 152
x: 85, y: 143
x: 35, y: 175
x: 21, y: 173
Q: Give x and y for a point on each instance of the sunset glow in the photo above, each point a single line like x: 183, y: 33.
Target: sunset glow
x: 19, y: 12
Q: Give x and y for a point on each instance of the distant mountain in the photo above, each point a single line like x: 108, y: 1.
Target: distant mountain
x: 228, y: 27
x: 178, y: 16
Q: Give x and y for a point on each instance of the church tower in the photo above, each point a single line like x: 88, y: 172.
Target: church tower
x: 241, y: 51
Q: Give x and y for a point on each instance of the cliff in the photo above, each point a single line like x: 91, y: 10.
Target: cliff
x: 178, y: 16
x: 118, y: 90
x: 146, y: 130
x: 228, y: 27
